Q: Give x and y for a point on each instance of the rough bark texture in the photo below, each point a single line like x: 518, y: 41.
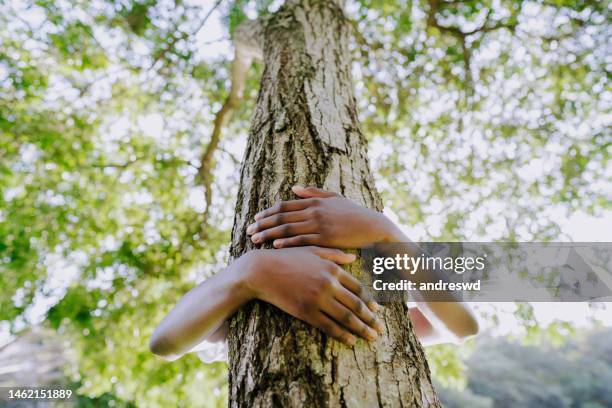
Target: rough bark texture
x: 305, y: 131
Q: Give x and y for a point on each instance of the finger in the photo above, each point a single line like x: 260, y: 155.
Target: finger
x: 334, y: 255
x: 373, y: 306
x: 299, y: 240
x: 276, y: 220
x: 283, y: 231
x: 358, y: 307
x: 351, y: 283
x: 333, y: 330
x: 347, y: 319
x: 283, y: 206
x: 310, y: 192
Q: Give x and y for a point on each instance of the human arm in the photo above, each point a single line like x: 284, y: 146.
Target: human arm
x: 321, y: 218
x: 327, y: 219
x: 305, y: 282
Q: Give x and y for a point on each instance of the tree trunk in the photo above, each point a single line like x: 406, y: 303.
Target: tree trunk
x: 305, y: 131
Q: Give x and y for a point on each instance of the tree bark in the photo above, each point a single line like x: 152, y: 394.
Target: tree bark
x: 305, y: 131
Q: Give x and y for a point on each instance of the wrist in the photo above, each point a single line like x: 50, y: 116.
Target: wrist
x: 389, y: 231
x: 250, y: 282
x: 245, y: 273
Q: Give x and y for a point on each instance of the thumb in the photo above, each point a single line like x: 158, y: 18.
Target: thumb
x: 310, y: 192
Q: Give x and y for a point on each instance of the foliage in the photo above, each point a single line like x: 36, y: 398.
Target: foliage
x: 508, y: 374
x: 493, y: 113
x: 479, y: 115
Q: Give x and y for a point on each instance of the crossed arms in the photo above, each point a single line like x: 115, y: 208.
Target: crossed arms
x: 304, y: 278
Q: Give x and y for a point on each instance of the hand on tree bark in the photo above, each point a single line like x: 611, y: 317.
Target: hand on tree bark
x: 308, y: 284
x: 322, y: 218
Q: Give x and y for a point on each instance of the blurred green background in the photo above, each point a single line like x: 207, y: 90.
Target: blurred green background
x: 486, y: 120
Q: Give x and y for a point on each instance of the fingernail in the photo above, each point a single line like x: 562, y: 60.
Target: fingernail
x: 257, y: 216
x: 250, y: 229
x: 373, y: 306
x: 379, y: 326
x: 372, y: 335
x: 277, y: 243
x: 350, y: 340
x: 255, y: 238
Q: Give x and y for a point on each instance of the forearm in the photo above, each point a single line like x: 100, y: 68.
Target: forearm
x: 443, y: 322
x: 441, y: 317
x: 201, y: 311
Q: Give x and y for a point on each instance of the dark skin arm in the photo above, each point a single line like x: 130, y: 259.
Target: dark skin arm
x: 321, y: 218
x: 307, y: 283
x: 326, y: 219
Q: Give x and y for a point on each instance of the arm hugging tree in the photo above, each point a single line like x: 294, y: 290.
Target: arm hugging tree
x: 305, y: 131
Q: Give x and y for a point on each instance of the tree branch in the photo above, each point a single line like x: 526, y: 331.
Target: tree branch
x: 213, y: 8
x: 118, y: 165
x: 176, y: 37
x: 248, y: 39
x: 460, y: 35
x: 434, y: 7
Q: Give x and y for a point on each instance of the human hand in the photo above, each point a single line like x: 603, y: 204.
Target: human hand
x: 308, y: 284
x: 321, y: 218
